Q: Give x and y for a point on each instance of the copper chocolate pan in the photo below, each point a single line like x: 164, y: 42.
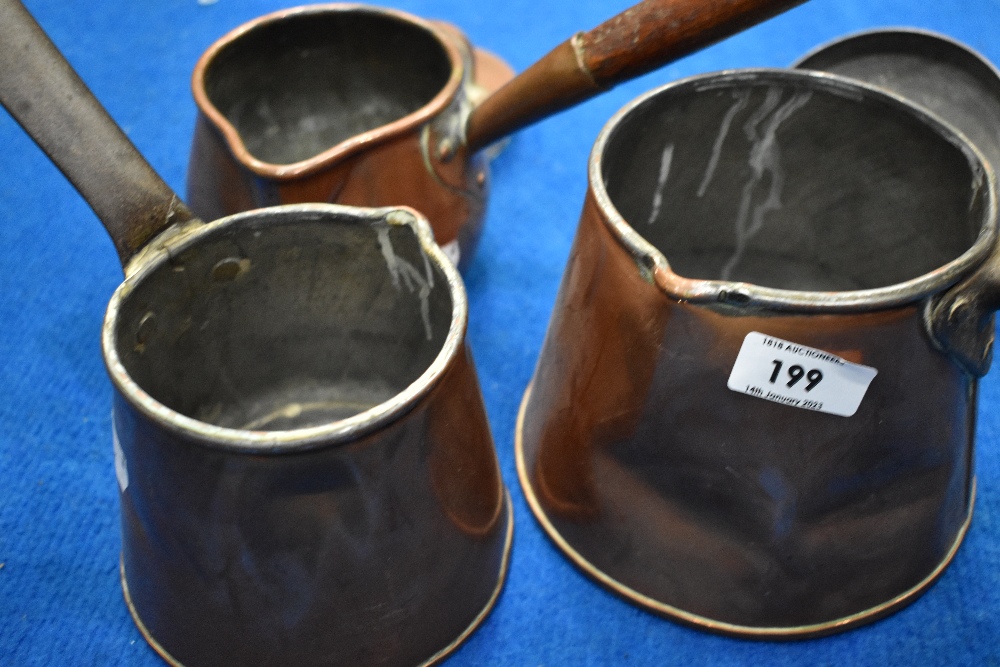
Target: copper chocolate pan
x: 814, y: 230
x: 292, y: 399
x: 367, y: 106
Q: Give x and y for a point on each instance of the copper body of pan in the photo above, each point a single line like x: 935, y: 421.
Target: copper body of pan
x: 341, y: 103
x: 306, y: 469
x: 833, y: 220
x: 374, y: 107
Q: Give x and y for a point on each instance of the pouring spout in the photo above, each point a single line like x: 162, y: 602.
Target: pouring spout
x: 639, y: 40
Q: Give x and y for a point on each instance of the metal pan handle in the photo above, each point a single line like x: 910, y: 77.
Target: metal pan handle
x: 43, y: 93
x: 639, y: 40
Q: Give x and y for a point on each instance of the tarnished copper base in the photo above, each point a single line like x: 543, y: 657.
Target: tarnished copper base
x: 708, y: 624
x: 433, y: 660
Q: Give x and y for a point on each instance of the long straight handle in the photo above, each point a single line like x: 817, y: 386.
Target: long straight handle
x: 637, y: 41
x: 43, y: 93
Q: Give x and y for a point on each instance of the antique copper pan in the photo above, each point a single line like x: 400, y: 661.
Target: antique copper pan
x: 755, y: 406
x: 293, y: 398
x: 361, y: 105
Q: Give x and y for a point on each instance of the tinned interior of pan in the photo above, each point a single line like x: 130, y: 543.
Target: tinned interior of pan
x: 282, y: 323
x: 297, y: 86
x: 793, y: 185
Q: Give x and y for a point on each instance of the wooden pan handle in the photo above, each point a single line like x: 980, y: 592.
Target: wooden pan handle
x: 639, y: 40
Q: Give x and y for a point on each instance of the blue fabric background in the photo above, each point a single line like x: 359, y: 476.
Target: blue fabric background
x: 60, y: 602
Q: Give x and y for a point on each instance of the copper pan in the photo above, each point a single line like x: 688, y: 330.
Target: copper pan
x: 293, y: 400
x: 367, y: 106
x: 815, y: 228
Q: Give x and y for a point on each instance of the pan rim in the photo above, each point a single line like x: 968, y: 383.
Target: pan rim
x: 348, y: 147
x: 303, y: 439
x: 653, y: 262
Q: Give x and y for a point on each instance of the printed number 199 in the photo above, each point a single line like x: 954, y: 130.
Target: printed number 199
x: 795, y: 374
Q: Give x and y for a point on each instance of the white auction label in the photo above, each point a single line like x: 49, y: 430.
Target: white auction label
x: 799, y: 376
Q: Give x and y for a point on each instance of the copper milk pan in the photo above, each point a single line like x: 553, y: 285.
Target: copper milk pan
x: 361, y: 105
x: 747, y: 414
x: 306, y: 470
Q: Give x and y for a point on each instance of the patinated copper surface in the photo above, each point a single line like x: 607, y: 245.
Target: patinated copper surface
x: 387, y: 549
x: 715, y: 508
x: 718, y: 505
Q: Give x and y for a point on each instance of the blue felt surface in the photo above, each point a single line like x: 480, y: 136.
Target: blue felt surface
x: 60, y: 602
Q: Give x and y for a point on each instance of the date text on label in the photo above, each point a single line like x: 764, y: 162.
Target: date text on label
x: 799, y: 376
